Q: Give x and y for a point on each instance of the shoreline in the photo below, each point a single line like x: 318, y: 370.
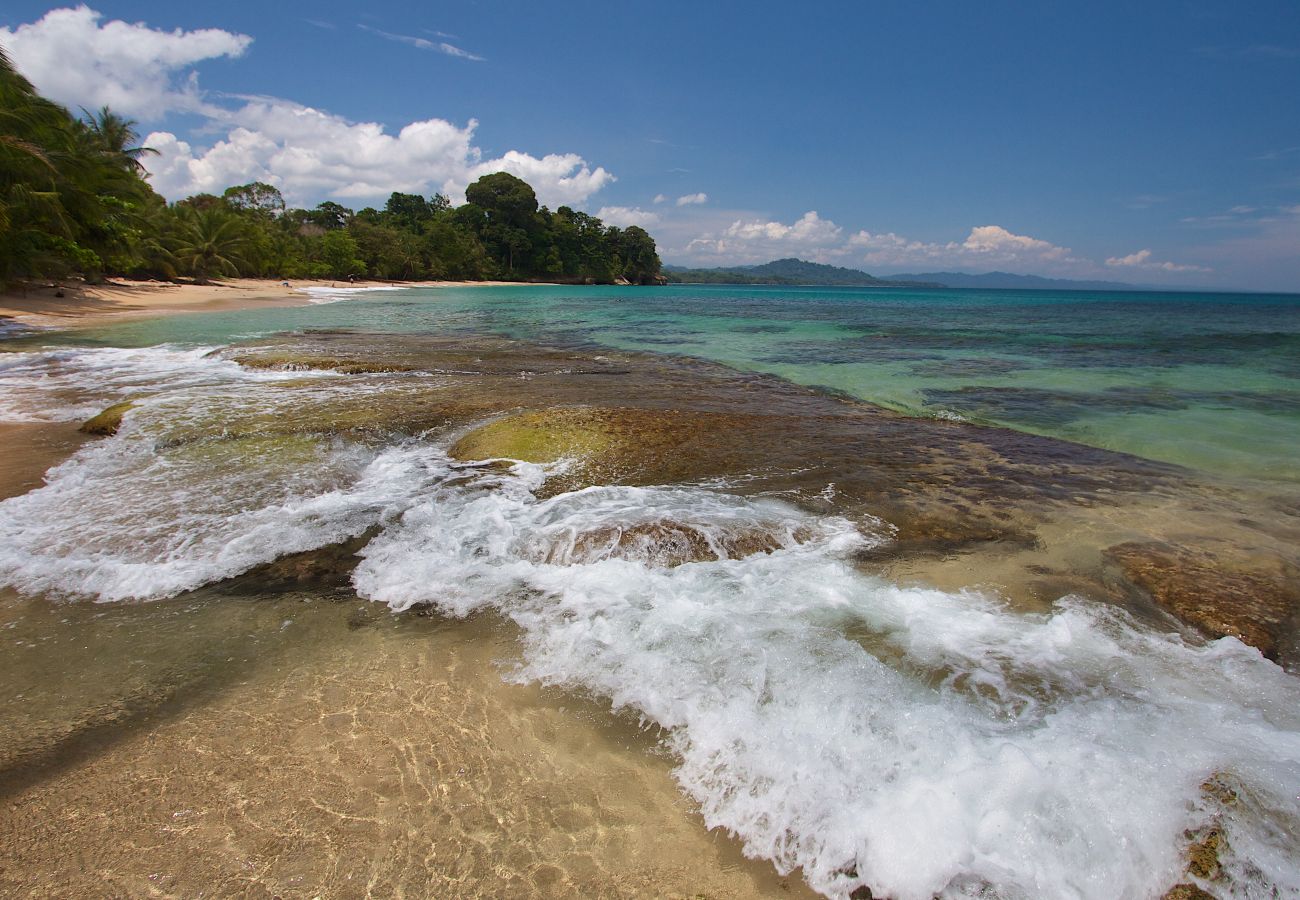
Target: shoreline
x: 78, y: 305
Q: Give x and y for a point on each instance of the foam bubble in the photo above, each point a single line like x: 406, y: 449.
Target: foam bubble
x: 914, y: 741
x: 71, y: 384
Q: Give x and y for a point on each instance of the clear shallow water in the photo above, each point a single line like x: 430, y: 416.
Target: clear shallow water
x: 1211, y: 381
x: 916, y: 740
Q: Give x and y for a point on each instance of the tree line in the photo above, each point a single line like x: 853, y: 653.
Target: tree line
x: 75, y: 199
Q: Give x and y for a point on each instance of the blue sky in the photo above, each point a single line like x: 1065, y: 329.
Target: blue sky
x: 1152, y: 143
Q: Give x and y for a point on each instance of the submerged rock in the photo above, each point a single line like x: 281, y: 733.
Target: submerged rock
x: 618, y: 445
x: 109, y: 421
x: 304, y: 362
x: 1251, y: 600
x: 664, y: 543
x: 325, y: 567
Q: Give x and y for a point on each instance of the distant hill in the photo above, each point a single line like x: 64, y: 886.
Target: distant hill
x: 797, y: 271
x: 1007, y: 280
x: 785, y: 271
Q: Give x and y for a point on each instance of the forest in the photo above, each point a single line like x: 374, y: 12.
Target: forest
x: 75, y: 200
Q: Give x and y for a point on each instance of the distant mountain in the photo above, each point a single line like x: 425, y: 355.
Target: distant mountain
x: 1007, y: 280
x: 798, y: 271
x: 786, y: 271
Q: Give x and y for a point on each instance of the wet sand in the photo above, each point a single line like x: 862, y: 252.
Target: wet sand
x: 326, y: 748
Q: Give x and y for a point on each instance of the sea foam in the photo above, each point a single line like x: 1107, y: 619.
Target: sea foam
x: 71, y: 384
x: 914, y: 741
x: 319, y: 295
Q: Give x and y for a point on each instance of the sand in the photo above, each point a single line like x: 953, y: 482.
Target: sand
x: 84, y: 306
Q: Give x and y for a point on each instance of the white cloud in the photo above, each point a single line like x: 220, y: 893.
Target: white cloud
x: 984, y: 246
x: 821, y: 240
x: 424, y: 44
x: 1142, y: 260
x: 141, y: 72
x: 559, y: 178
x: 758, y: 240
x: 659, y: 198
x: 624, y: 216
x: 692, y: 199
x: 996, y: 241
x: 311, y: 154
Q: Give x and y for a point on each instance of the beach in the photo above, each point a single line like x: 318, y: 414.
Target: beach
x: 80, y: 305
x: 384, y: 595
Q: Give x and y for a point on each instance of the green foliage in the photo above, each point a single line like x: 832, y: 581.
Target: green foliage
x: 70, y: 190
x: 257, y: 197
x: 75, y: 199
x: 211, y: 242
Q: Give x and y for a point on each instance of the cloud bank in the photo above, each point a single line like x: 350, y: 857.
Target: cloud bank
x: 754, y: 240
x: 822, y: 240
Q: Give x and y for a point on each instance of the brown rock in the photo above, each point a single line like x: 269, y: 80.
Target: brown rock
x: 1222, y: 596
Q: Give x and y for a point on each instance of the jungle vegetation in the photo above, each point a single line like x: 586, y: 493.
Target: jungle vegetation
x: 75, y: 199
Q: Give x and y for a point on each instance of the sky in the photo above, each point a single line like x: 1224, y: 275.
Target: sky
x: 1151, y: 143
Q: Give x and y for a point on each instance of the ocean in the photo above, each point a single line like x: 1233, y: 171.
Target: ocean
x: 927, y: 593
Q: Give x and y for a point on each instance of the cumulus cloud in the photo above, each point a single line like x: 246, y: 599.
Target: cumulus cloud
x: 996, y: 241
x: 983, y: 247
x: 310, y: 153
x: 748, y: 241
x: 75, y: 57
x: 1142, y: 260
x: 624, y: 216
x: 559, y: 178
x: 692, y: 199
x: 822, y: 240
x: 424, y: 44
x: 141, y: 72
x: 660, y: 198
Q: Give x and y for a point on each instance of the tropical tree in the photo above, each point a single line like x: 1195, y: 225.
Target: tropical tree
x: 117, y: 139
x: 258, y: 198
x: 209, y: 242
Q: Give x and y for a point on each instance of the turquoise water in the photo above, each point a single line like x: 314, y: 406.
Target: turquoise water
x: 1210, y: 381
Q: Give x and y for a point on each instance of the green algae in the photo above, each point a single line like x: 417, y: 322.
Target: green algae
x: 108, y: 421
x: 539, y: 437
x: 286, y: 450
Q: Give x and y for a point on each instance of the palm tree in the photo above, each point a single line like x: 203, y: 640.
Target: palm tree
x: 117, y: 138
x: 72, y: 193
x: 210, y: 242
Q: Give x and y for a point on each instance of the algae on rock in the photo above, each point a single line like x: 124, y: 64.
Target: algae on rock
x: 109, y: 420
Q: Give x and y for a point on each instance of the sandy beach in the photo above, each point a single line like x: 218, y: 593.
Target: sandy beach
x: 79, y: 305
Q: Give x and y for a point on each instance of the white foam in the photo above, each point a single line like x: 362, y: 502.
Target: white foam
x: 335, y: 294
x: 915, y: 741
x: 71, y: 384
x: 10, y: 327
x: 123, y: 521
